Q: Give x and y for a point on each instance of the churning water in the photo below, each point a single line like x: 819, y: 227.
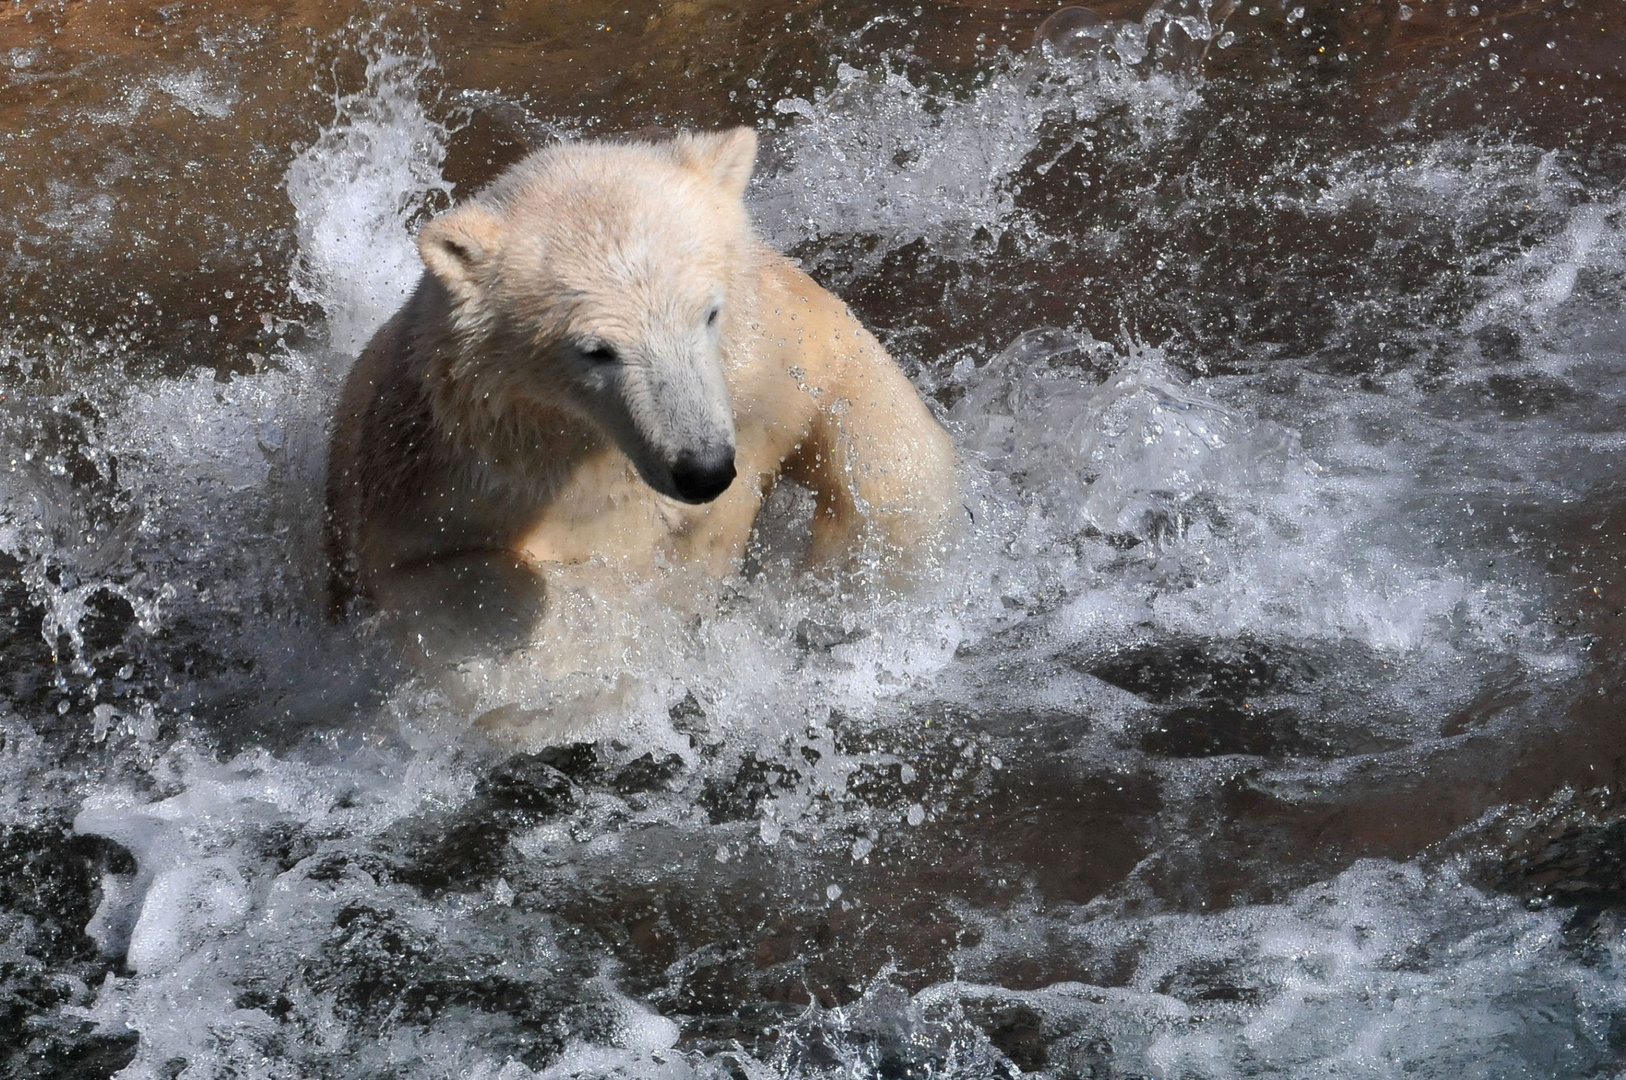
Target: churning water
x: 1262, y: 723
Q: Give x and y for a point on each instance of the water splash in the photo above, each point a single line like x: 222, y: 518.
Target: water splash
x: 357, y: 191
x: 393, y: 895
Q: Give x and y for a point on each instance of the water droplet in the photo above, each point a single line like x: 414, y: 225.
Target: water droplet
x: 916, y: 815
x: 833, y: 892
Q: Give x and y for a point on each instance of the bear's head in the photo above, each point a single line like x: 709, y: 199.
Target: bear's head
x: 604, y: 280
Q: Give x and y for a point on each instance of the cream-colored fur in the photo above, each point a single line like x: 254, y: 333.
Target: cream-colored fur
x: 597, y: 334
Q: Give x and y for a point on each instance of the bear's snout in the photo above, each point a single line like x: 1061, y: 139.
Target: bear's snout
x: 700, y: 478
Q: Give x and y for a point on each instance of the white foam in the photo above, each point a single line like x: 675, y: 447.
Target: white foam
x: 1387, y: 970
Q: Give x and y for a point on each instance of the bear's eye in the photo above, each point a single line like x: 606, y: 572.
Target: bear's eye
x: 711, y: 316
x: 599, y: 351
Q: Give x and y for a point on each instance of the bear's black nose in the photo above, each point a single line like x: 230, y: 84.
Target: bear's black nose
x: 702, y: 477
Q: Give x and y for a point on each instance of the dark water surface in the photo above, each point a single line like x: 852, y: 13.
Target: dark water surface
x: 1266, y: 723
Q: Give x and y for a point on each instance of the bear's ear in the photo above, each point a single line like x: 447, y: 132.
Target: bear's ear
x: 725, y: 157
x: 457, y: 246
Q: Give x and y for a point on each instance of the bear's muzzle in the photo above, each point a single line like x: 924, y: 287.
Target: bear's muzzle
x: 700, y: 478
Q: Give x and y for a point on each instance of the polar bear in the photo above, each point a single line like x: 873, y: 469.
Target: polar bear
x: 603, y: 362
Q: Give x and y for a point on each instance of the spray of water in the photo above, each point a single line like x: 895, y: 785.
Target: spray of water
x: 395, y: 896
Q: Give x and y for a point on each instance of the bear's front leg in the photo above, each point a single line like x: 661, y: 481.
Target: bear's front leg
x: 453, y: 606
x: 883, y: 471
